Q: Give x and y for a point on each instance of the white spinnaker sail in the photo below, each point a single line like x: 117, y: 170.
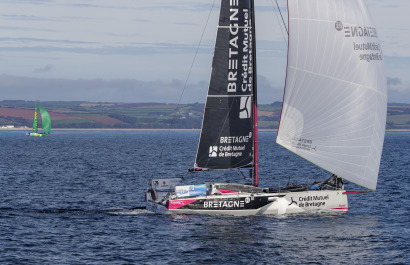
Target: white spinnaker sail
x: 334, y: 110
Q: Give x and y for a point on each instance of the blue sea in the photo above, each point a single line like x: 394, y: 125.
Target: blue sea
x: 75, y: 197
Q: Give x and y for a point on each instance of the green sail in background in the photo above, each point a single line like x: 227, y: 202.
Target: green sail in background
x: 45, y: 119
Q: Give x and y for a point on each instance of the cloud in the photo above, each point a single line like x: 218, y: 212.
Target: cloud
x: 397, y: 91
x: 118, y: 90
x: 45, y: 69
x: 136, y: 91
x: 395, y: 84
x: 98, y: 90
x: 128, y: 41
x: 82, y: 47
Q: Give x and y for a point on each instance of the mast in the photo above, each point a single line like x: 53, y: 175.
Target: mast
x: 255, y: 101
x: 35, y: 118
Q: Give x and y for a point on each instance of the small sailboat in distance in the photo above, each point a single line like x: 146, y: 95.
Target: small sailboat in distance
x: 333, y: 112
x: 45, y: 122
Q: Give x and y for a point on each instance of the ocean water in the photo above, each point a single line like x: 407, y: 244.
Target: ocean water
x: 75, y: 198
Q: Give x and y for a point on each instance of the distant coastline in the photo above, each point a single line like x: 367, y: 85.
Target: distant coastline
x: 79, y: 115
x: 140, y: 129
x: 98, y: 129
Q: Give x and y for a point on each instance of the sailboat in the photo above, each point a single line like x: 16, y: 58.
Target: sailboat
x: 333, y: 112
x: 45, y: 122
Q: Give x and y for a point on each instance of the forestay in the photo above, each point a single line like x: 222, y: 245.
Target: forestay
x: 334, y: 109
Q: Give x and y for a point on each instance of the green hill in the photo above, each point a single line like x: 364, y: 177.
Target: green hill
x: 79, y: 114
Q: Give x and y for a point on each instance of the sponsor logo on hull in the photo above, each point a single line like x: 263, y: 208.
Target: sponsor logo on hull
x: 245, y: 203
x: 176, y: 204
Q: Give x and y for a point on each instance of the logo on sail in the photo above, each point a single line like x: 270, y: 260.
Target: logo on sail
x: 233, y: 54
x: 213, y: 151
x: 245, y: 108
x: 352, y: 31
x: 368, y: 50
x: 338, y: 25
x: 302, y: 143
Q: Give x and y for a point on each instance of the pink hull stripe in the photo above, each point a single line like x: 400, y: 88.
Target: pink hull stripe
x: 340, y: 209
x: 351, y: 192
x: 226, y: 191
x: 176, y: 204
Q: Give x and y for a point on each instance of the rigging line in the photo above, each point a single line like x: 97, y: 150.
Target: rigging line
x: 281, y: 29
x: 266, y: 147
x: 244, y: 177
x: 281, y: 16
x: 239, y: 168
x: 187, y: 78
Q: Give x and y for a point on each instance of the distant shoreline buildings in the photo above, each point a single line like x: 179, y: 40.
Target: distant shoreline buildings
x: 13, y: 127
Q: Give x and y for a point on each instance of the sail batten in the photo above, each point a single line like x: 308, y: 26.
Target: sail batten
x: 239, y: 27
x: 335, y: 100
x: 226, y: 96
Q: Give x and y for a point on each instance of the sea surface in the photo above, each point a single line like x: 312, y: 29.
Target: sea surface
x: 75, y: 197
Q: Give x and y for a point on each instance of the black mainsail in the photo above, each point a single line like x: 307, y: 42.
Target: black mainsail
x: 228, y: 128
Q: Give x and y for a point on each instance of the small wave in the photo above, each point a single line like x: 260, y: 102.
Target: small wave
x: 60, y: 210
x: 134, y: 211
x: 6, y: 209
x: 115, y: 211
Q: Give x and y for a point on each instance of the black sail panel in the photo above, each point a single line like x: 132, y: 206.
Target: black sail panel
x: 226, y: 139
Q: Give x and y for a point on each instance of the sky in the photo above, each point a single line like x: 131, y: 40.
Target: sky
x: 154, y: 50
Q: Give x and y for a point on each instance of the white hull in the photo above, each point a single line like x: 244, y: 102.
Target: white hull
x: 243, y: 204
x: 36, y: 134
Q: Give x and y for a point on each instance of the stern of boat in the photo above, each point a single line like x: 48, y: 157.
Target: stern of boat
x: 158, y: 192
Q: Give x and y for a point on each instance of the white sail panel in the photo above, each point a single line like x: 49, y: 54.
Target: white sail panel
x: 334, y: 109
